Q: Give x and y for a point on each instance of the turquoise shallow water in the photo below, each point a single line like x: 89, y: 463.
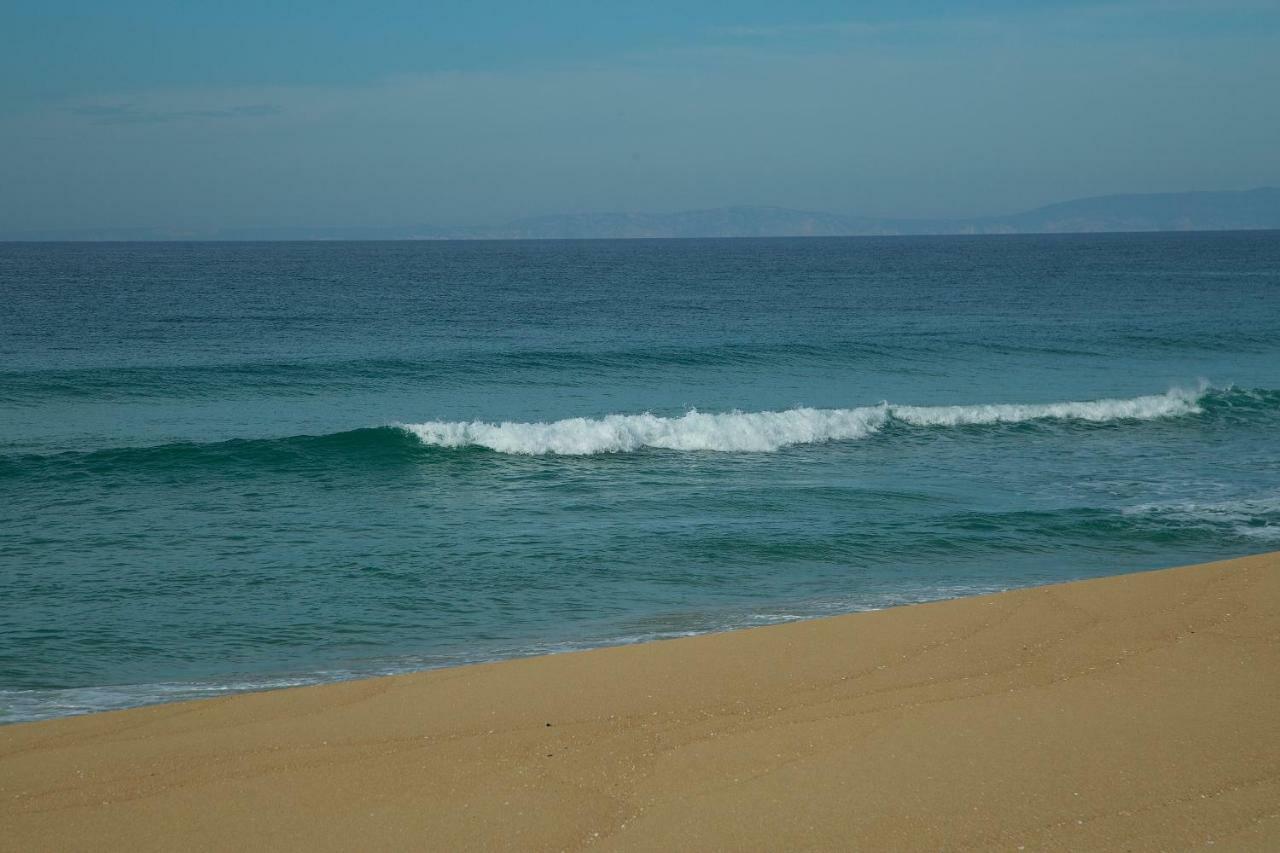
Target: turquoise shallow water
x: 231, y: 466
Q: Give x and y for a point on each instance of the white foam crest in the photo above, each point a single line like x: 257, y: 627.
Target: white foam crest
x: 729, y: 431
x: 768, y: 431
x: 1171, y: 404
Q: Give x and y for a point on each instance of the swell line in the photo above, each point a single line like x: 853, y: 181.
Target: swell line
x: 728, y: 432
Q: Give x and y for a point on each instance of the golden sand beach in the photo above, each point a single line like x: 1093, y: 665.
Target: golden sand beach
x: 1138, y: 712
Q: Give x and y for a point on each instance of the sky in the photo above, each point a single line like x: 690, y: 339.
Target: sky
x: 234, y: 114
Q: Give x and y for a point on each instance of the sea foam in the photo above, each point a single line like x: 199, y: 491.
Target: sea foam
x: 769, y: 431
x: 1256, y: 517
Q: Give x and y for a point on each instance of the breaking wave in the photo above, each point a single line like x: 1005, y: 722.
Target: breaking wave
x: 768, y: 431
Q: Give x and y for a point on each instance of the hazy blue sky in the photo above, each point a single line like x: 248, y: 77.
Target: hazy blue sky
x: 161, y: 114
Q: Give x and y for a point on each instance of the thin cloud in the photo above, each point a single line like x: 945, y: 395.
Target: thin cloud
x: 134, y: 114
x: 834, y: 28
x: 1081, y: 13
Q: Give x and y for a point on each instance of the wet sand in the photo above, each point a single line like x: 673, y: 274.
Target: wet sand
x: 1139, y: 712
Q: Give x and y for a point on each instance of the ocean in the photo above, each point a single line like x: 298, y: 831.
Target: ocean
x: 228, y: 467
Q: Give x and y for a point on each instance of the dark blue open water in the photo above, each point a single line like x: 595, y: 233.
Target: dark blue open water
x: 226, y: 466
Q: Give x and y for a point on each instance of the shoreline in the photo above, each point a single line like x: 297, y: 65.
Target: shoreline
x: 1133, y: 709
x: 199, y: 691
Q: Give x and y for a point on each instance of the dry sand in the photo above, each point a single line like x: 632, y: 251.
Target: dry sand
x: 1139, y: 712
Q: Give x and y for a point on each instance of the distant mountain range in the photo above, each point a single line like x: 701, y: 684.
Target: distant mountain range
x: 1190, y: 211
